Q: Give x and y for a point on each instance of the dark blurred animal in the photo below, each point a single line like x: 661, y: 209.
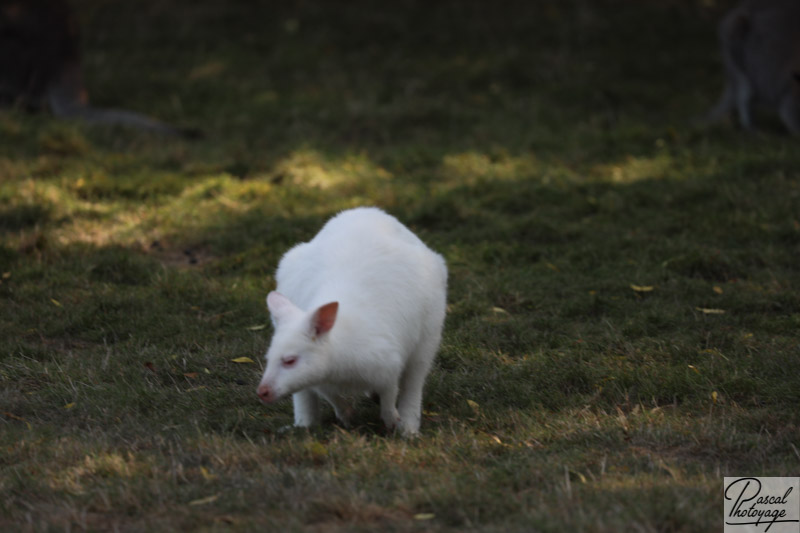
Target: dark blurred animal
x: 760, y: 42
x: 40, y: 66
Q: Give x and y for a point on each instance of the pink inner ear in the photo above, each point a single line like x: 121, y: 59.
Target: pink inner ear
x: 324, y: 318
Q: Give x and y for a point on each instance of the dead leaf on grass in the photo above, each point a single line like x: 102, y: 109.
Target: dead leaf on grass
x: 242, y: 360
x: 18, y: 418
x: 475, y: 407
x: 709, y: 311
x: 208, y: 476
x: 204, y: 501
x: 642, y: 288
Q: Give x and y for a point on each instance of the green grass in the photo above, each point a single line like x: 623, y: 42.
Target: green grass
x: 544, y: 148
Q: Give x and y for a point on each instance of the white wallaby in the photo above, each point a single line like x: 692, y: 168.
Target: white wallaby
x: 358, y: 309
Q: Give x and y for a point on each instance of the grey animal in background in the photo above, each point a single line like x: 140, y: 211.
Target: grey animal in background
x: 760, y: 42
x: 40, y: 66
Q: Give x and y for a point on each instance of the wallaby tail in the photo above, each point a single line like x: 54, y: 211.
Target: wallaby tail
x: 68, y: 100
x: 97, y: 115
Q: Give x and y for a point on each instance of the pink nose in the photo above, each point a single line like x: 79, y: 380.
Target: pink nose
x: 265, y: 393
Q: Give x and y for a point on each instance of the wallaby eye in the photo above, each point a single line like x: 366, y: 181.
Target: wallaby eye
x: 288, y: 361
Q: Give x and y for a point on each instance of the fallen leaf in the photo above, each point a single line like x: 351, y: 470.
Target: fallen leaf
x: 256, y: 328
x: 551, y: 266
x: 424, y: 516
x: 56, y: 302
x: 208, y: 476
x: 475, y: 407
x: 500, y: 311
x: 6, y: 275
x: 70, y: 405
x: 242, y: 360
x: 642, y: 288
x: 694, y: 368
x: 207, y: 371
x: 707, y: 311
x: 714, y: 396
x: 717, y: 289
x: 580, y: 476
x: 190, y: 375
x: 203, y: 501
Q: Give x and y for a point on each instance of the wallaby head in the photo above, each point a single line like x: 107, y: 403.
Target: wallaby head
x: 299, y: 355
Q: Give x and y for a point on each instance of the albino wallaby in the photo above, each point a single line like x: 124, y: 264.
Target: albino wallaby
x: 760, y: 41
x: 40, y: 66
x: 358, y: 309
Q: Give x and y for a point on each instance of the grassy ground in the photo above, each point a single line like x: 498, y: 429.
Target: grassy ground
x: 624, y: 298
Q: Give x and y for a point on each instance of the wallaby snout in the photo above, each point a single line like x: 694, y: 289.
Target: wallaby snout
x: 265, y: 393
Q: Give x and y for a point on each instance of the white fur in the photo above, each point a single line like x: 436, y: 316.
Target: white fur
x: 391, y: 290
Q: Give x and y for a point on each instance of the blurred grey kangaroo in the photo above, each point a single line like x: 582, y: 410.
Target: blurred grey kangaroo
x: 40, y: 66
x: 760, y: 41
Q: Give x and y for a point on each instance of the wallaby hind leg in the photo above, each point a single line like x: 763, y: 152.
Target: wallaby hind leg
x: 738, y: 93
x: 412, y: 383
x: 744, y: 102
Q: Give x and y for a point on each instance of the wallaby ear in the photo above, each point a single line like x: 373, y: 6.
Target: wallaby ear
x: 279, y: 305
x: 323, y: 319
